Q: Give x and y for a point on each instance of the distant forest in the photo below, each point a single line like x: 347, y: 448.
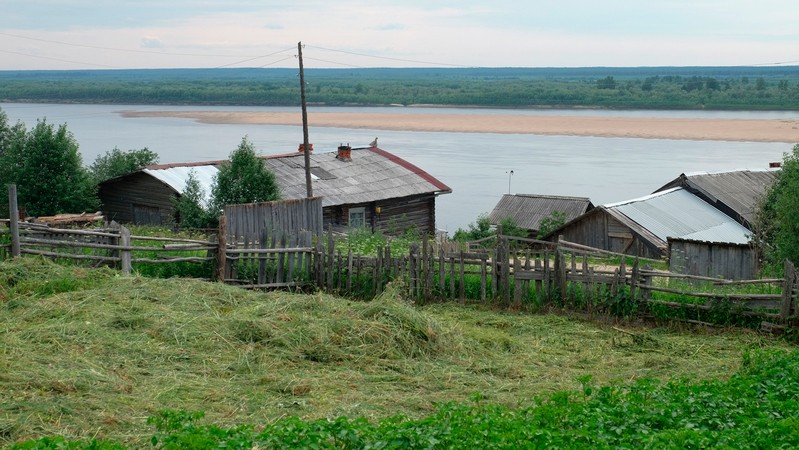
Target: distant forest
x: 745, y: 88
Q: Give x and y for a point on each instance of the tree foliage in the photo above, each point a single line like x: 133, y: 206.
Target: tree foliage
x: 777, y: 227
x: 243, y: 179
x: 192, y: 210
x: 45, y: 164
x: 116, y: 163
x: 482, y: 228
x: 551, y: 223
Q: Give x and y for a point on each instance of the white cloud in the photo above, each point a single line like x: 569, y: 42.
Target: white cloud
x: 500, y: 33
x: 151, y: 42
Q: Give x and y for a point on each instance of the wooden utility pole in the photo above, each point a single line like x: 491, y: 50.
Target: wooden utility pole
x: 306, y: 146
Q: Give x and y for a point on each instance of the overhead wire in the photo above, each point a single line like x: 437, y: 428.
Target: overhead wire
x: 386, y: 57
x: 116, y: 49
x: 60, y: 59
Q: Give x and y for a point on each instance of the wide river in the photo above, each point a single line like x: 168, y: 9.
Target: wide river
x: 477, y: 166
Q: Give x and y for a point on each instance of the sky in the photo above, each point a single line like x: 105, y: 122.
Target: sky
x: 107, y: 34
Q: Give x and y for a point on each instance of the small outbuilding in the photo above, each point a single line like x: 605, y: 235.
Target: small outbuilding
x: 528, y: 210
x: 361, y: 187
x: 642, y: 226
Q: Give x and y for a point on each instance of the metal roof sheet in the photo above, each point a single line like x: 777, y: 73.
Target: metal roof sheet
x: 680, y: 214
x: 738, y: 190
x: 528, y: 209
x: 177, y: 177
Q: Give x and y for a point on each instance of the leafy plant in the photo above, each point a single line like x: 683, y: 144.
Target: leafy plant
x: 550, y: 223
x: 116, y: 163
x: 244, y: 179
x: 45, y: 164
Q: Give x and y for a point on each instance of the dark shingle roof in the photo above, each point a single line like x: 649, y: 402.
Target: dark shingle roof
x: 737, y: 193
x: 372, y: 174
x: 528, y: 209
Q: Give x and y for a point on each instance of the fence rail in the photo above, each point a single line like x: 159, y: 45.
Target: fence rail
x: 561, y: 274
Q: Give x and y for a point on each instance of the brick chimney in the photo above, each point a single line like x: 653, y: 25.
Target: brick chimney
x: 344, y: 152
x: 302, y: 147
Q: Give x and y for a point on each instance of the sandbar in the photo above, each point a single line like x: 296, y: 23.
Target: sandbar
x: 753, y: 130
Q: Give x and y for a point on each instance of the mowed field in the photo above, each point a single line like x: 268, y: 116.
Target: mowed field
x: 90, y: 354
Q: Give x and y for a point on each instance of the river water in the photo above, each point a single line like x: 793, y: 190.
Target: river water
x: 476, y: 166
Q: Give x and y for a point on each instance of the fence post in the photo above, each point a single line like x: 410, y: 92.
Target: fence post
x: 13, y: 215
x: 221, y: 252
x: 125, y: 252
x: 787, y: 290
x: 330, y: 250
x: 646, y: 282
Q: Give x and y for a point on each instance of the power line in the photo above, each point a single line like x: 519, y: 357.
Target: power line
x: 335, y: 62
x: 61, y: 60
x: 782, y: 63
x: 386, y: 57
x: 257, y: 57
x: 278, y: 61
x: 115, y: 49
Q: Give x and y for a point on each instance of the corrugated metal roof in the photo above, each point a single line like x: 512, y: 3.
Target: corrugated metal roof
x: 528, y: 209
x: 740, y: 190
x: 371, y: 175
x: 680, y: 214
x: 177, y: 176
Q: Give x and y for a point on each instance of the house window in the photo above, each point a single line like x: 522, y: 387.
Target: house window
x: 357, y: 217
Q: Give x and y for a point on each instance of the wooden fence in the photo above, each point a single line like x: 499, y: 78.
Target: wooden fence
x: 109, y: 247
x: 247, y: 223
x: 530, y: 272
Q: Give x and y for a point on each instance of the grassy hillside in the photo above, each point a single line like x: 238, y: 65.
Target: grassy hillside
x: 91, y: 354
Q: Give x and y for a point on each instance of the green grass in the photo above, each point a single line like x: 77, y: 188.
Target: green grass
x: 91, y: 354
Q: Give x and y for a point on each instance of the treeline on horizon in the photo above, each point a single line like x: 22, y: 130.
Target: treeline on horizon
x: 765, y: 88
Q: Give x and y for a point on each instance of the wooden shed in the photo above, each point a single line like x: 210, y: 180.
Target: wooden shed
x: 360, y: 187
x: 642, y: 226
x: 528, y: 210
x: 713, y: 259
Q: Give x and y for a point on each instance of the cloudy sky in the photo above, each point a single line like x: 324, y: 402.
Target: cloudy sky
x: 97, y: 34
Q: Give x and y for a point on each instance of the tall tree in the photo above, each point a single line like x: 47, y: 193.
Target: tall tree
x: 116, y: 163
x: 779, y: 215
x: 243, y: 179
x: 45, y: 164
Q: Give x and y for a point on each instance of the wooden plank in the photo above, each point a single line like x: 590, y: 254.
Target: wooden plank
x: 349, y: 270
x: 441, y: 271
x: 125, y: 256
x: 70, y: 255
x: 517, y: 282
x: 483, y: 277
x: 452, y: 277
x: 330, y: 251
x: 13, y: 214
x: 463, y: 282
x: 787, y: 290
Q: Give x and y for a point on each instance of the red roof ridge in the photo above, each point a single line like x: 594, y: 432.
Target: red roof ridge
x: 413, y: 168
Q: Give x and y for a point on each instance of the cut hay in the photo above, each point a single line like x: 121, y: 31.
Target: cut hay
x: 88, y: 353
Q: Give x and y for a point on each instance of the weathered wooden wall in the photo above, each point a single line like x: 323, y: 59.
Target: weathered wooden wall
x: 730, y: 261
x: 391, y: 216
x: 598, y: 229
x: 399, y: 214
x: 119, y: 197
x: 247, y: 223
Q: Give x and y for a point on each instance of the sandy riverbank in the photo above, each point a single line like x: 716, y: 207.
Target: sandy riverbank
x: 755, y: 130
